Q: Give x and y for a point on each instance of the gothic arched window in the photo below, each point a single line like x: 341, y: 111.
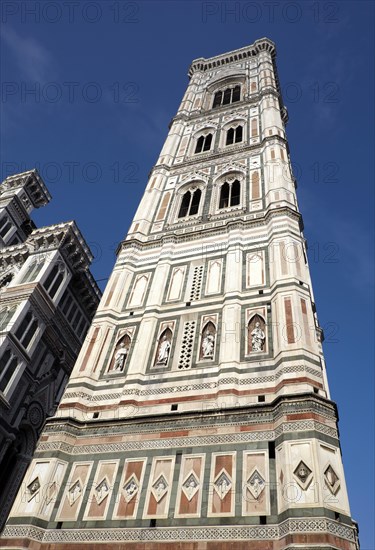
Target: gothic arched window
x: 190, y: 203
x: 54, y: 279
x: 234, y: 135
x: 203, y: 143
x: 230, y: 194
x: 8, y: 365
x: 27, y: 329
x: 227, y: 96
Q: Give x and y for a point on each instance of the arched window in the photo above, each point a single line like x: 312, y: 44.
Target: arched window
x: 227, y: 96
x: 8, y: 365
x: 234, y: 135
x: 26, y: 329
x: 54, y: 279
x: 230, y: 194
x: 5, y: 226
x: 203, y: 143
x: 190, y: 203
x: 163, y: 348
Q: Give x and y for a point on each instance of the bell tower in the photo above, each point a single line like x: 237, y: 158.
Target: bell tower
x: 198, y: 413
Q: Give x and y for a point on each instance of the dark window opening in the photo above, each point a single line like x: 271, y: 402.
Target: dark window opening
x: 230, y: 95
x: 152, y: 522
x: 271, y: 449
x: 174, y: 407
x: 190, y: 203
x: 230, y: 194
x: 261, y: 398
x: 263, y: 520
x: 224, y: 196
x: 203, y: 143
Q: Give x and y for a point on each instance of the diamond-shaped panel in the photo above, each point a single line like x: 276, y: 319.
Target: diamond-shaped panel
x: 130, y: 488
x: 223, y: 484
x: 102, y: 490
x: 256, y: 484
x: 33, y: 488
x: 332, y: 479
x: 159, y: 488
x: 303, y: 475
x: 190, y: 486
x: 75, y: 492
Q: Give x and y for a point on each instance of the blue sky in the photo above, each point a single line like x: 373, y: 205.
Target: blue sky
x: 87, y: 95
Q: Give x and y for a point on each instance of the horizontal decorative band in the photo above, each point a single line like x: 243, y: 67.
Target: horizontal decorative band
x: 170, y: 534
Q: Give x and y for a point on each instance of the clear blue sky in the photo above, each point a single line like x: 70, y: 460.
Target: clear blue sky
x: 111, y: 76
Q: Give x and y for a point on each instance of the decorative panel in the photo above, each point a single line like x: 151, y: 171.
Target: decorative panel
x: 255, y: 484
x: 221, y: 499
x: 176, y: 284
x: 159, y: 488
x: 190, y: 486
x: 130, y: 488
x: 75, y: 488
x: 101, y: 490
x: 213, y: 283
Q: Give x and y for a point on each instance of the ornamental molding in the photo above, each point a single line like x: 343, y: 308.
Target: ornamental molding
x: 194, y: 441
x: 170, y: 534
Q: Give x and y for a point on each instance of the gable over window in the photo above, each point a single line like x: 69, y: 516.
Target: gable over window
x: 190, y: 203
x: 227, y: 96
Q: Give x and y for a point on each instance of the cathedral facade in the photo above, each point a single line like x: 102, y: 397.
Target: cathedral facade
x: 198, y: 414
x: 47, y: 301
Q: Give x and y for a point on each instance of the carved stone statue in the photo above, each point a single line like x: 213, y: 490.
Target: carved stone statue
x: 120, y: 357
x: 257, y: 338
x: 208, y: 344
x: 164, y: 350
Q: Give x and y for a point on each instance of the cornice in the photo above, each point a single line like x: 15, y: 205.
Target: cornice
x: 32, y: 184
x: 173, y: 236
x: 202, y: 64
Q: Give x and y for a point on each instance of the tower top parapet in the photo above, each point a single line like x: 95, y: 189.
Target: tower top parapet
x: 203, y: 64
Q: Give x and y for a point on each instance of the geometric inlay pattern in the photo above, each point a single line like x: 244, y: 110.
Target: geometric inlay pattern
x: 190, y: 486
x: 159, y: 488
x: 332, y: 479
x: 256, y: 483
x: 229, y: 532
x: 222, y: 483
x: 303, y: 475
x: 184, y: 361
x: 196, y: 286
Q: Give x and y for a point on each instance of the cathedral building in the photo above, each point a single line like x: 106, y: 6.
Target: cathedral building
x: 198, y: 414
x: 47, y: 301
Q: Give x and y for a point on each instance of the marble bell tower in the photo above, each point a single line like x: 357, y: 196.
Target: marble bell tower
x: 198, y: 414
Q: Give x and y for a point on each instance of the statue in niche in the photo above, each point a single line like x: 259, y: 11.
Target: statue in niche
x: 208, y: 341
x: 164, y: 348
x: 121, y: 353
x: 120, y: 357
x: 256, y: 334
x: 208, y: 344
